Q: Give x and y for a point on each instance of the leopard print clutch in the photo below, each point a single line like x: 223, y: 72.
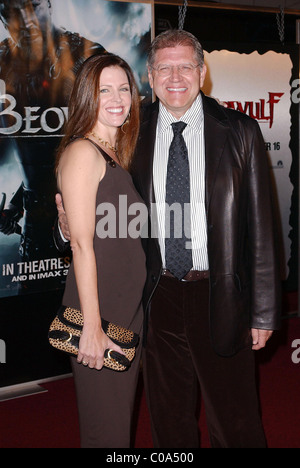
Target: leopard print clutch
x: 65, y: 331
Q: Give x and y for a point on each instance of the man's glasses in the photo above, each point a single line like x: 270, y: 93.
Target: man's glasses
x: 184, y: 69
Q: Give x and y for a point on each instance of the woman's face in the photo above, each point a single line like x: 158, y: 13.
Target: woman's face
x: 115, y: 98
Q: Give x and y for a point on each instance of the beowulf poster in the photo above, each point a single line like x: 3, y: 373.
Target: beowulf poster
x: 42, y: 45
x: 259, y: 85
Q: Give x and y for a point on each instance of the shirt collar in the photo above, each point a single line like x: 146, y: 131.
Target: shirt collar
x: 193, y: 116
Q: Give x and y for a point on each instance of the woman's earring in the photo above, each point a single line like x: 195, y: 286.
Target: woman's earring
x: 125, y: 123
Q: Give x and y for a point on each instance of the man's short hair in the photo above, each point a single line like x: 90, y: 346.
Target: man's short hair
x: 173, y: 38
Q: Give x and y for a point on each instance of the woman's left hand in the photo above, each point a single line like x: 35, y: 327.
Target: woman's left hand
x: 92, y: 346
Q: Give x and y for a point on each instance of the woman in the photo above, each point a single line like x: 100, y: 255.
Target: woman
x: 107, y: 275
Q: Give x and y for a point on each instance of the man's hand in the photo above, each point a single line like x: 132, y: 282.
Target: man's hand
x: 260, y: 338
x: 222, y: 103
x: 62, y: 218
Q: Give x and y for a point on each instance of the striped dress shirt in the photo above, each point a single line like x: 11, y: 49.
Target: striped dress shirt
x: 194, y: 138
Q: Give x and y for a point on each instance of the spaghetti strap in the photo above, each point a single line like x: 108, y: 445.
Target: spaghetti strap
x: 107, y: 158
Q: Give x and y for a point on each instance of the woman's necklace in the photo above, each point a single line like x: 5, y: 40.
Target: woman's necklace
x: 103, y: 142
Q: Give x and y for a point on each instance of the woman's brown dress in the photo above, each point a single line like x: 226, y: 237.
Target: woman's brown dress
x: 106, y: 398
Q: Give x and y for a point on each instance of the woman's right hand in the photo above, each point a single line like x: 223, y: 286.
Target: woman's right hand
x: 92, y: 346
x: 62, y: 217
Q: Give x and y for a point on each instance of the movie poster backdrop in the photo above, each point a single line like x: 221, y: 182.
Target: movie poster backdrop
x: 42, y: 45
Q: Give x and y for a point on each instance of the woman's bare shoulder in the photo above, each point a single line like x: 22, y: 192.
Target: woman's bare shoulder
x: 81, y: 152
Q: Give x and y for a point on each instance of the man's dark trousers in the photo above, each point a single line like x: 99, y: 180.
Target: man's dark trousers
x: 178, y: 357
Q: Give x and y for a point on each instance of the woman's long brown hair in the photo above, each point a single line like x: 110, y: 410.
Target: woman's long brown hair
x: 84, y: 106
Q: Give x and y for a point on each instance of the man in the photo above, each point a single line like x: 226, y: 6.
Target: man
x: 38, y: 65
x: 203, y: 322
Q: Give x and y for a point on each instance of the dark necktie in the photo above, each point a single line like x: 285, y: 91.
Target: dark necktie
x: 178, y: 258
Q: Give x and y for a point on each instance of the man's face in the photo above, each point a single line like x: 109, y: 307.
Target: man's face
x: 25, y: 19
x: 177, y: 91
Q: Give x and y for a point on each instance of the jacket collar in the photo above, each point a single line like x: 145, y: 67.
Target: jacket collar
x: 146, y: 147
x: 216, y: 134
